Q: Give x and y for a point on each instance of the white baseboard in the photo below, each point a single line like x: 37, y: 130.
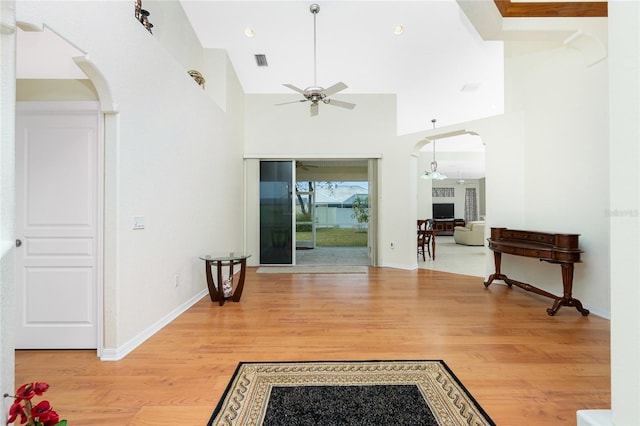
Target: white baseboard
x: 399, y: 266
x: 600, y: 313
x: 594, y: 418
x: 119, y: 353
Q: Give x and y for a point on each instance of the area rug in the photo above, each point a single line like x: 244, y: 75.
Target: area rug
x: 313, y: 269
x: 375, y: 393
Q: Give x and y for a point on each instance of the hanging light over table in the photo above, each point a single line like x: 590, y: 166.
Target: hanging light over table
x: 434, y: 174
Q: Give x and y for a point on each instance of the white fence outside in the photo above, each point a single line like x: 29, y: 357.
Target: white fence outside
x: 336, y: 217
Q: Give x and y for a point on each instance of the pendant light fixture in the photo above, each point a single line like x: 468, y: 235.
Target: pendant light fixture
x: 434, y: 174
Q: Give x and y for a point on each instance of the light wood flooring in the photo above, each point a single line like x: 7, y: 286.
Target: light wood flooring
x: 522, y: 366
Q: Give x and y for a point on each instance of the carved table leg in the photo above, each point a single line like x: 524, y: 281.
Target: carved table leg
x: 497, y: 260
x: 567, y: 299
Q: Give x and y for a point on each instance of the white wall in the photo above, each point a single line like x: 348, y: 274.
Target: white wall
x: 624, y: 155
x: 368, y: 131
x: 7, y: 203
x: 171, y: 155
x: 171, y: 30
x: 564, y: 102
x: 289, y: 130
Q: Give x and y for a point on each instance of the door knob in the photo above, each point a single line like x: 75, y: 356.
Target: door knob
x: 18, y: 243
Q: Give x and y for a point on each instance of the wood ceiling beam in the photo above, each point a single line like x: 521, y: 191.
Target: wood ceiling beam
x: 509, y: 9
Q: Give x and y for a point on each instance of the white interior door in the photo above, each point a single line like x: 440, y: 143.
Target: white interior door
x: 58, y: 154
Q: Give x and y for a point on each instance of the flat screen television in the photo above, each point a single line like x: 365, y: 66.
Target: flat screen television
x: 443, y: 211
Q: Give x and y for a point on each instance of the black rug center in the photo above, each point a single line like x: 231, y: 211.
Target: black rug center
x: 374, y: 405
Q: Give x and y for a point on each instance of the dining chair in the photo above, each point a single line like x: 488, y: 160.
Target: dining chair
x: 424, y: 238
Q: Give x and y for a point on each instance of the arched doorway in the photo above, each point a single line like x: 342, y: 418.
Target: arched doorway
x: 460, y: 157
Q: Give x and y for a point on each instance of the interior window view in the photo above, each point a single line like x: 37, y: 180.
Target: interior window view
x: 346, y: 212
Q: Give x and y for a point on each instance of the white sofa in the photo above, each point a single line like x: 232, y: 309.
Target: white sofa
x: 472, y: 234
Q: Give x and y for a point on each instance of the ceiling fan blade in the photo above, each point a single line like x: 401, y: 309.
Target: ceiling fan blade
x: 314, y: 110
x: 294, y: 88
x: 334, y: 89
x: 340, y: 104
x: 292, y: 102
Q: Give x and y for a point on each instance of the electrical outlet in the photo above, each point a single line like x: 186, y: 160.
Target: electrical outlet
x: 176, y: 280
x: 138, y: 222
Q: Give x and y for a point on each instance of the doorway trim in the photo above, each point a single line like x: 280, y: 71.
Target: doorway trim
x: 107, y: 337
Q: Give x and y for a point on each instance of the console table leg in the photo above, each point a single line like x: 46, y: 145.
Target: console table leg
x: 497, y: 261
x: 567, y: 287
x: 567, y: 280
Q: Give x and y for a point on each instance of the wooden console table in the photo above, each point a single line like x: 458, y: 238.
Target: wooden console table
x: 445, y: 226
x: 215, y: 287
x: 547, y: 247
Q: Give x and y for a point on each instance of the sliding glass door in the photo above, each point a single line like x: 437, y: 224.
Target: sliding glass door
x: 276, y: 207
x: 305, y: 216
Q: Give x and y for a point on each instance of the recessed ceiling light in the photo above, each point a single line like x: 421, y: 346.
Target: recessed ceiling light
x: 249, y: 32
x: 398, y: 29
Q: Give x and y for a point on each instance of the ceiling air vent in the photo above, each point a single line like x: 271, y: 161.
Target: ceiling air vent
x: 261, y: 60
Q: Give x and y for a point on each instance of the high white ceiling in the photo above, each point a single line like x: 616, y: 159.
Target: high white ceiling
x: 439, y: 67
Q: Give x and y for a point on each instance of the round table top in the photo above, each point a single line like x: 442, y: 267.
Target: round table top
x: 225, y: 257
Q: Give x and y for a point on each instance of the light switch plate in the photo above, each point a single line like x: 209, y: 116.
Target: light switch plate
x: 138, y: 222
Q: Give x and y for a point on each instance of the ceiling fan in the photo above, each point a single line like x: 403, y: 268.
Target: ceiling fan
x: 316, y: 94
x: 304, y: 166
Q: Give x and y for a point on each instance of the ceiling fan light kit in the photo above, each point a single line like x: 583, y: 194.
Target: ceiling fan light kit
x: 316, y: 94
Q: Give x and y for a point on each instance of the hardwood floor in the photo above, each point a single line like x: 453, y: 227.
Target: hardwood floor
x: 522, y: 366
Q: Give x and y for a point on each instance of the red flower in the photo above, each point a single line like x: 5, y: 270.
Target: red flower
x: 17, y: 410
x: 52, y: 420
x: 44, y: 413
x: 29, y: 390
x: 25, y: 392
x: 40, y: 387
x: 28, y: 411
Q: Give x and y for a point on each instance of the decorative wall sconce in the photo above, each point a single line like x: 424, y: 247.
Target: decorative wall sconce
x: 197, y: 77
x: 143, y: 16
x: 138, y: 9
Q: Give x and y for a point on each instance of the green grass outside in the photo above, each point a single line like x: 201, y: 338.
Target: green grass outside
x: 335, y: 237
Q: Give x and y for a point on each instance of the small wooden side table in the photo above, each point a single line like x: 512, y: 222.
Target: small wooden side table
x: 215, y: 287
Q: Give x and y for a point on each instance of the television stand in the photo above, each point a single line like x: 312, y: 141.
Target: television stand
x: 445, y: 226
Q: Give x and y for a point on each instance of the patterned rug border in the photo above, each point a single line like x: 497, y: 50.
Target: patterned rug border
x: 234, y: 402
